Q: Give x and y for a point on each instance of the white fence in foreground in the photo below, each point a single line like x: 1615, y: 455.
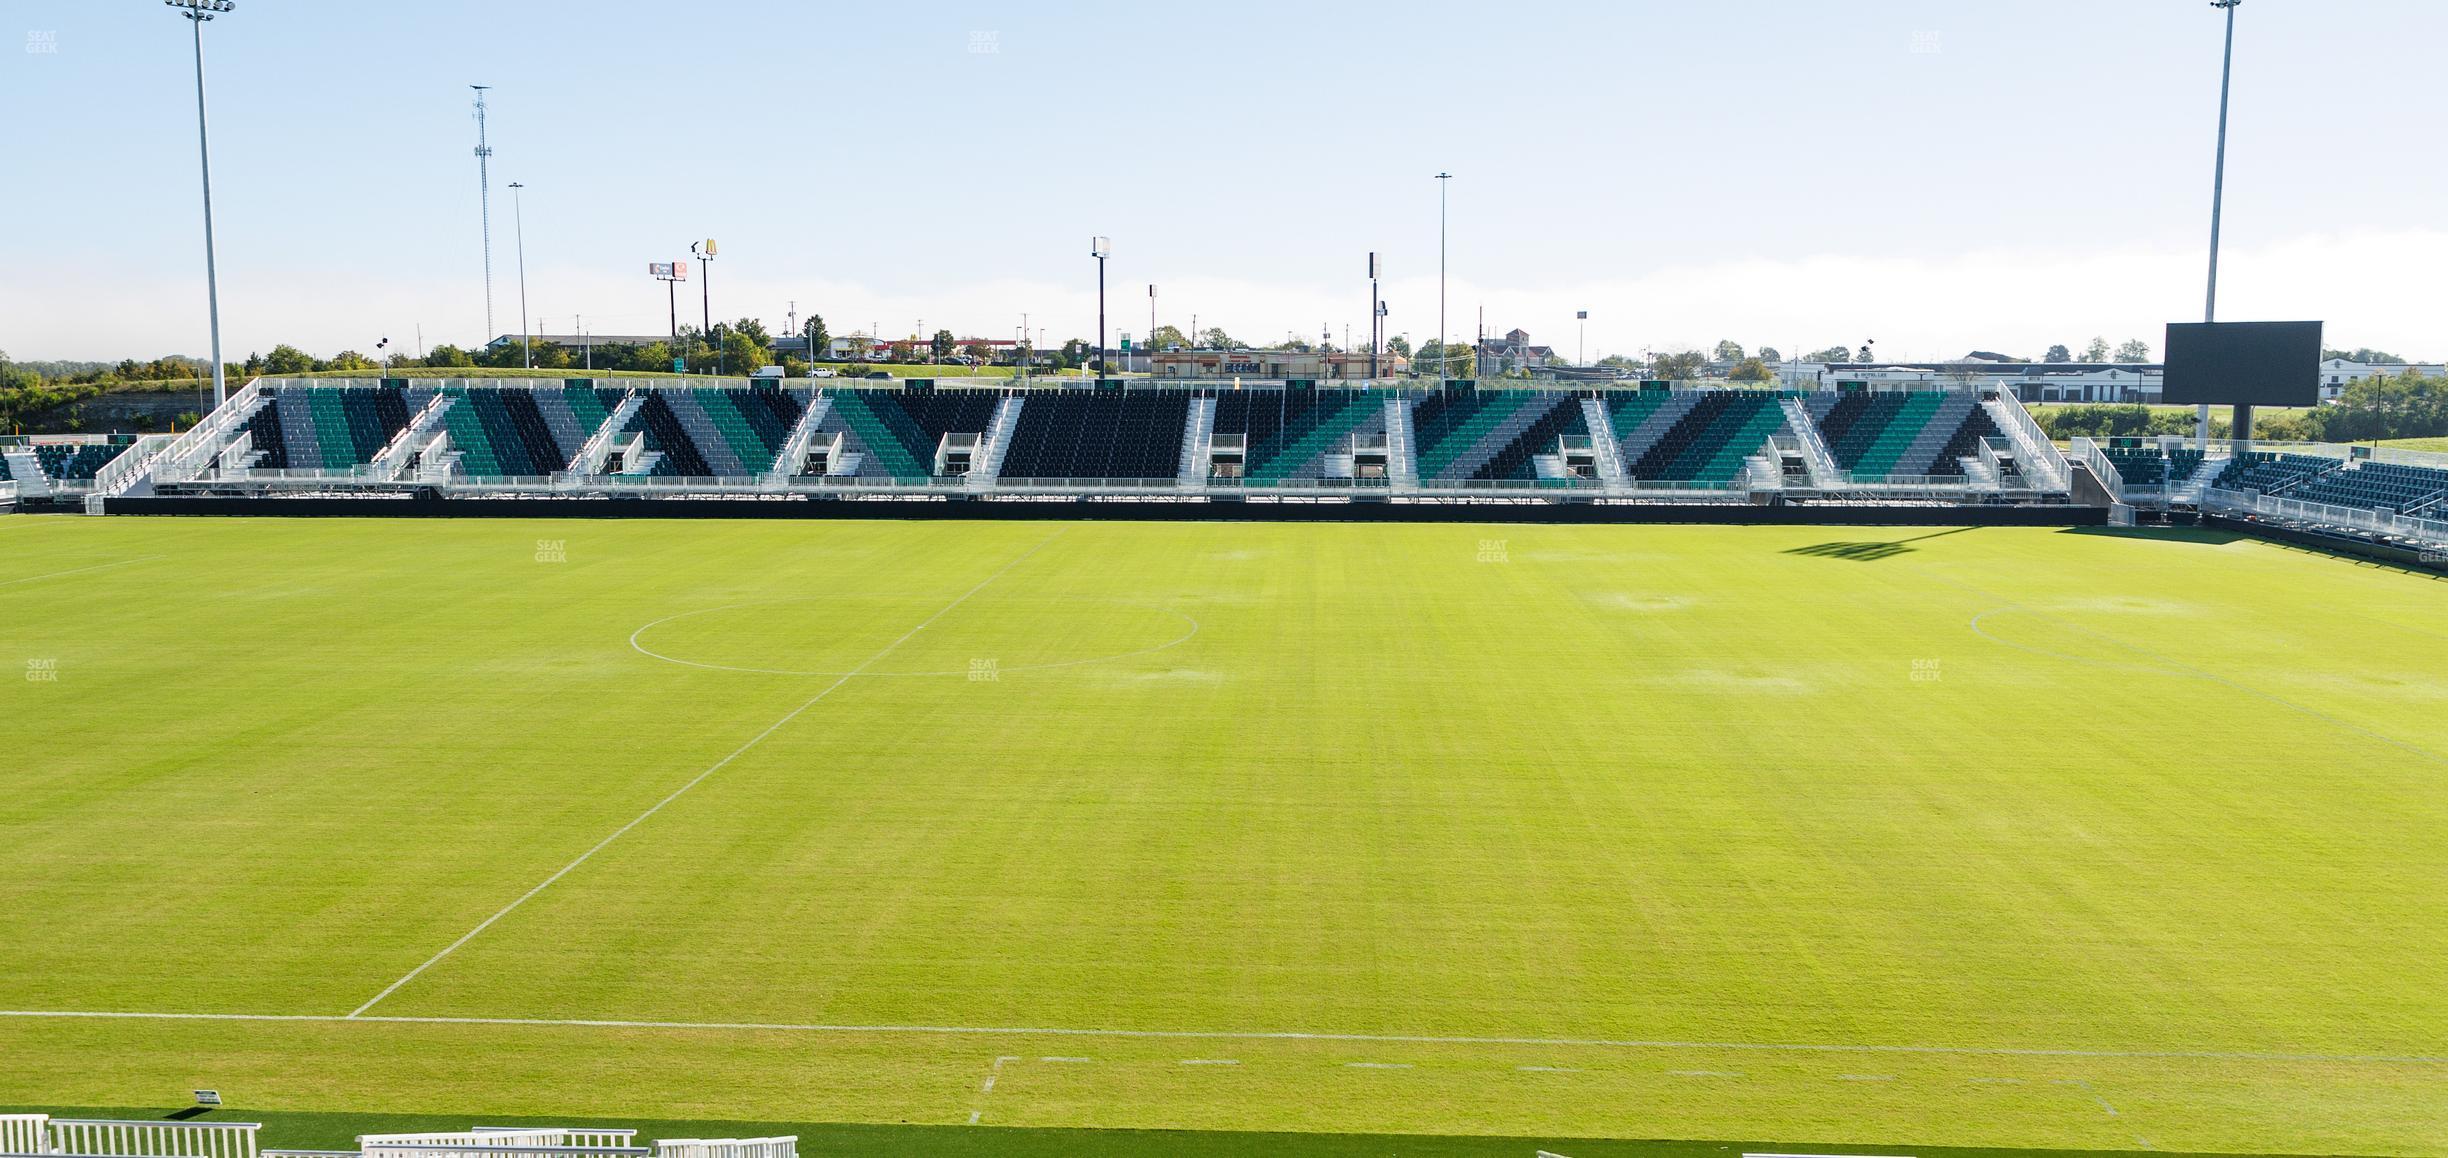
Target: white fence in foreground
x: 42, y: 1136
x: 39, y: 1134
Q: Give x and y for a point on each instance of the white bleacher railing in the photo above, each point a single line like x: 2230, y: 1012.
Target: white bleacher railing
x: 1605, y: 452
x: 598, y: 446
x: 793, y: 454
x: 782, y: 1147
x: 24, y: 1133
x: 2110, y: 478
x: 498, y: 1137
x: 114, y: 1139
x: 132, y: 465
x: 2431, y: 533
x: 2036, y: 453
x: 187, y: 455
x: 1816, y: 457
x: 411, y: 438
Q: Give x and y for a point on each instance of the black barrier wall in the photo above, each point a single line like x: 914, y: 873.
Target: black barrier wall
x: 1732, y: 514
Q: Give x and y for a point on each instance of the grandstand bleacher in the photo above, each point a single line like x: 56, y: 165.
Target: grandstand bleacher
x: 2270, y: 473
x: 1133, y: 435
x: 1713, y: 438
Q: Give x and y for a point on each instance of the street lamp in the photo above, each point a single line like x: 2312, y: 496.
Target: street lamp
x: 1444, y: 353
x: 197, y: 12
x: 1100, y: 248
x: 518, y: 217
x: 2218, y: 197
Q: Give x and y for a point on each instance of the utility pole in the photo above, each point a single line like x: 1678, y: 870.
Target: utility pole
x: 197, y: 12
x: 1444, y: 353
x: 2218, y: 197
x: 518, y: 217
x: 484, y: 202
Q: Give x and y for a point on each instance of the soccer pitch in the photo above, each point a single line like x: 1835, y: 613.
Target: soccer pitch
x: 1997, y: 837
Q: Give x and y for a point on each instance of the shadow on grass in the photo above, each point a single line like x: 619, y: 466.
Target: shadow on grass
x: 2211, y: 536
x: 2299, y: 542
x: 1872, y: 552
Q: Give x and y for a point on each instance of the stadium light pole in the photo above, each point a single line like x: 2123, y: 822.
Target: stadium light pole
x: 1100, y: 248
x: 1444, y: 355
x: 705, y: 287
x: 2218, y: 199
x: 518, y: 218
x: 1376, y: 312
x: 1581, y: 344
x: 197, y: 12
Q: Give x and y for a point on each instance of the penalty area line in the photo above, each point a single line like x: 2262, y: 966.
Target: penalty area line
x: 1256, y: 1035
x: 700, y: 778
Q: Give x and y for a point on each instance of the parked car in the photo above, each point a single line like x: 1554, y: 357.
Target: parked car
x: 820, y: 372
x: 879, y: 374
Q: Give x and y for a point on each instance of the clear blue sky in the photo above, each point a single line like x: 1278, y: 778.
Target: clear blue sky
x: 1937, y: 175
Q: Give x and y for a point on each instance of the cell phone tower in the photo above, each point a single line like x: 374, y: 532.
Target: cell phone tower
x: 484, y: 202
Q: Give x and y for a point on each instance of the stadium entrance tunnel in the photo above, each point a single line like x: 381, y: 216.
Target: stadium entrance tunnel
x: 834, y: 636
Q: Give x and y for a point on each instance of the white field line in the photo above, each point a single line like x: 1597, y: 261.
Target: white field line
x: 1259, y: 1035
x: 718, y: 766
x: 80, y: 570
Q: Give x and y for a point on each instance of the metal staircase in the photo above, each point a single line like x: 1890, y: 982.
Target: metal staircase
x: 27, y: 470
x: 2041, y: 464
x: 393, y: 458
x: 987, y: 466
x: 1198, y: 442
x: 1604, y: 451
x: 590, y: 457
x: 1402, y: 461
x: 1824, y: 473
x: 802, y: 435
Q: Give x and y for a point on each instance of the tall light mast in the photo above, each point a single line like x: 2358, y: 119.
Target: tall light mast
x: 484, y: 202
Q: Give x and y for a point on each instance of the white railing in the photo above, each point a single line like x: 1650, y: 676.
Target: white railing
x: 987, y: 459
x: 504, y: 1142
x: 8, y: 498
x: 186, y: 456
x: 2428, y: 532
x: 1198, y: 443
x: 1604, y: 451
x: 112, y: 1139
x: 782, y: 1147
x: 23, y: 1133
x: 1816, y: 456
x: 2110, y: 478
x: 132, y: 464
x: 2035, y: 452
x: 793, y: 454
x: 598, y: 446
x: 390, y: 459
x: 1401, y: 459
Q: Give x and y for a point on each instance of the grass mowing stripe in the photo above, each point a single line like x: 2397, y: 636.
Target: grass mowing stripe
x: 1251, y: 1035
x: 79, y: 570
x: 718, y: 766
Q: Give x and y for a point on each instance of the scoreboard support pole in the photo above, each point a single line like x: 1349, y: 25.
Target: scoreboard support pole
x: 2240, y: 435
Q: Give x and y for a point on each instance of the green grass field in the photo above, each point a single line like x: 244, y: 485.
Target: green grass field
x: 1892, y: 838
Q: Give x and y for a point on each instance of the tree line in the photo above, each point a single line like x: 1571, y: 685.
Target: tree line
x: 2383, y: 406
